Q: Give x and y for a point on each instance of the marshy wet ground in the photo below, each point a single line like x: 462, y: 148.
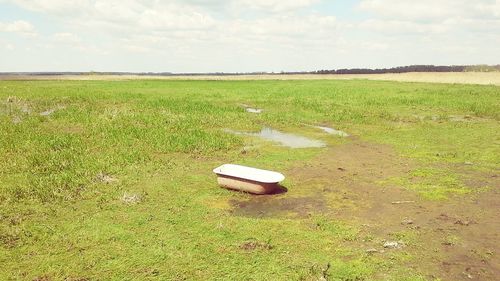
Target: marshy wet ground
x: 285, y: 139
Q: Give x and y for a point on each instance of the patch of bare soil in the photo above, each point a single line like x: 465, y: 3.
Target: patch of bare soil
x: 252, y: 245
x: 281, y: 206
x: 456, y: 239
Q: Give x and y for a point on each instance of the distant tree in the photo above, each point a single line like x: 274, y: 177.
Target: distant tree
x: 482, y: 68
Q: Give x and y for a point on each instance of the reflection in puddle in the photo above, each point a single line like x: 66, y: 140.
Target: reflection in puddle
x: 332, y: 131
x: 285, y: 139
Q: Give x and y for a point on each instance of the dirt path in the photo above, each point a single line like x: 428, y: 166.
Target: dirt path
x: 456, y: 239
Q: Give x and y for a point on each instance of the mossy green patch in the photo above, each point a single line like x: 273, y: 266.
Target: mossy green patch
x: 432, y: 183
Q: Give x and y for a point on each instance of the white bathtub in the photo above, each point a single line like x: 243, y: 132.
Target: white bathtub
x: 248, y: 179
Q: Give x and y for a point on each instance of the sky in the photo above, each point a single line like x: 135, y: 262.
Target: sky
x: 192, y: 36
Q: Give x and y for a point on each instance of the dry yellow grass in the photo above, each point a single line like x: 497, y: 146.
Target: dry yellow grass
x: 481, y: 78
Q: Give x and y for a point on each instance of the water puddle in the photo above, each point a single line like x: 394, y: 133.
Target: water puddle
x: 285, y: 139
x: 331, y: 131
x: 250, y: 109
x: 254, y: 110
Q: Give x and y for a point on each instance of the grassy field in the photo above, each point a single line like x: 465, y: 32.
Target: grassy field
x: 111, y: 180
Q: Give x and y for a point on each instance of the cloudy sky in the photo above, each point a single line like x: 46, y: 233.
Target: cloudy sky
x: 244, y: 35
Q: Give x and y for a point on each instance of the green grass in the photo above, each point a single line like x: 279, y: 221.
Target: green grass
x: 433, y: 183
x: 161, y: 139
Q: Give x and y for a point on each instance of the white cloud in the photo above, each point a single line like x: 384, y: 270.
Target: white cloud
x: 125, y: 14
x: 61, y: 7
x: 495, y: 8
x: 285, y: 26
x: 73, y: 41
x: 66, y: 37
x: 426, y: 9
x: 8, y: 47
x: 402, y: 26
x: 275, y: 5
x: 19, y: 26
x: 431, y: 9
x: 208, y: 35
x: 431, y: 16
x: 187, y: 22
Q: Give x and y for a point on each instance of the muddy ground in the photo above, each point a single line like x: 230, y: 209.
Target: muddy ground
x: 454, y: 239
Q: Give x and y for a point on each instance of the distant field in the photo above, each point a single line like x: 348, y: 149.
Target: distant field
x: 112, y: 180
x: 480, y: 78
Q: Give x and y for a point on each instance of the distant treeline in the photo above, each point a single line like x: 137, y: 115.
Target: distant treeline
x: 401, y: 69
x: 413, y: 68
x: 483, y: 68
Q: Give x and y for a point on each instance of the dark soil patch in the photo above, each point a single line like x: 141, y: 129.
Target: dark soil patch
x: 455, y: 239
x: 267, y: 206
x: 253, y: 245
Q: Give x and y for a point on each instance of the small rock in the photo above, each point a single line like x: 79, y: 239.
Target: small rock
x: 25, y: 109
x: 327, y: 189
x: 469, y: 163
x: 393, y: 245
x: 407, y: 221
x: 16, y: 120
x: 47, y: 112
x: 460, y: 222
x: 131, y: 198
x: 468, y: 275
x: 254, y: 245
x: 402, y: 202
x: 372, y: 251
x: 105, y: 178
